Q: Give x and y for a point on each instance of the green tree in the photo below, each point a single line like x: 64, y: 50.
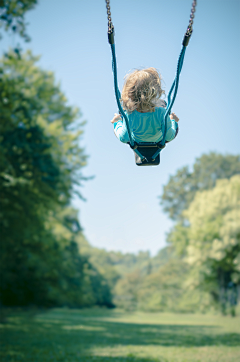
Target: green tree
x: 41, y: 165
x: 12, y: 14
x: 41, y: 160
x: 210, y: 239
x: 183, y: 186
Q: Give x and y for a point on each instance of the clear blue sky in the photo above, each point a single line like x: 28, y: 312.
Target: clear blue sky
x: 122, y: 211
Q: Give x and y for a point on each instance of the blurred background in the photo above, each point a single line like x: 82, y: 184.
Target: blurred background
x: 81, y: 224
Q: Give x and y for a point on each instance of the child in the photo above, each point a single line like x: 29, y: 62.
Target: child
x: 145, y: 110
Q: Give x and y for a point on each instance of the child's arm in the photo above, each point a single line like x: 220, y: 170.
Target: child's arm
x: 120, y: 129
x: 172, y: 127
x: 116, y: 118
x: 173, y: 116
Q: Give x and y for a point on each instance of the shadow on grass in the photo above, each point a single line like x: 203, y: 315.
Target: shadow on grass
x: 126, y: 359
x: 109, y: 333
x: 99, y: 331
x: 66, y: 336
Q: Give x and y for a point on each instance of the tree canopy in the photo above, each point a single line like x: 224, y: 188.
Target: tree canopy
x: 41, y: 159
x: 210, y: 238
x: 41, y: 165
x: 183, y: 186
x: 12, y: 14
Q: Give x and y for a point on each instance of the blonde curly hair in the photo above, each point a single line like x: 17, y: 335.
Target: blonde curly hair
x: 141, y: 90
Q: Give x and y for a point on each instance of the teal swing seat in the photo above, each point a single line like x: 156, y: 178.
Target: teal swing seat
x: 147, y: 151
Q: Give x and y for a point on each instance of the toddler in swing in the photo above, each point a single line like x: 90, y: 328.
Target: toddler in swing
x: 145, y: 110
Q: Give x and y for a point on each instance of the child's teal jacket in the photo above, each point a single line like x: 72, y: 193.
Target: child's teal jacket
x: 146, y: 127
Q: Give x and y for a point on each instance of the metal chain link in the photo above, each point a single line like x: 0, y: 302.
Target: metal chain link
x: 110, y: 24
x: 189, y: 29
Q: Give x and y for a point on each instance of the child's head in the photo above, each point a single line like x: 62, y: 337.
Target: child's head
x: 141, y: 90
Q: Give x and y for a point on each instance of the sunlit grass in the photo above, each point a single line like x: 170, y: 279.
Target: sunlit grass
x: 111, y: 335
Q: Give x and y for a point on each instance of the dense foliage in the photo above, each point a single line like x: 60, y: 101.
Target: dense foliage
x: 182, y: 187
x: 12, y: 16
x: 205, y: 204
x: 40, y: 169
x: 210, y: 239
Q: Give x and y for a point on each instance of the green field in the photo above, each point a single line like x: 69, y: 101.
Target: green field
x: 114, y: 336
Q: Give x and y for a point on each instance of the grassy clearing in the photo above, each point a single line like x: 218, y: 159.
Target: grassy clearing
x: 101, y: 335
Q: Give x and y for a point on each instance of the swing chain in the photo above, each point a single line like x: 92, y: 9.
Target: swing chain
x: 189, y: 29
x: 110, y: 24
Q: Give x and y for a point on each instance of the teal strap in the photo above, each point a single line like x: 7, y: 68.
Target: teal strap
x: 139, y: 154
x: 118, y: 94
x: 174, y: 88
x: 171, y: 101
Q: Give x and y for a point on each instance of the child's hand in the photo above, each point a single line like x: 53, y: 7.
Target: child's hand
x: 116, y: 118
x: 173, y: 116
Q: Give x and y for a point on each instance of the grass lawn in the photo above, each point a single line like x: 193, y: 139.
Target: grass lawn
x: 101, y: 335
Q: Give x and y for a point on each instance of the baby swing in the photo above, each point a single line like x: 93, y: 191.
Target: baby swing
x: 148, y: 154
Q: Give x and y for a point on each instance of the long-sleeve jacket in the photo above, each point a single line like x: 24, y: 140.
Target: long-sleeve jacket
x: 146, y: 127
